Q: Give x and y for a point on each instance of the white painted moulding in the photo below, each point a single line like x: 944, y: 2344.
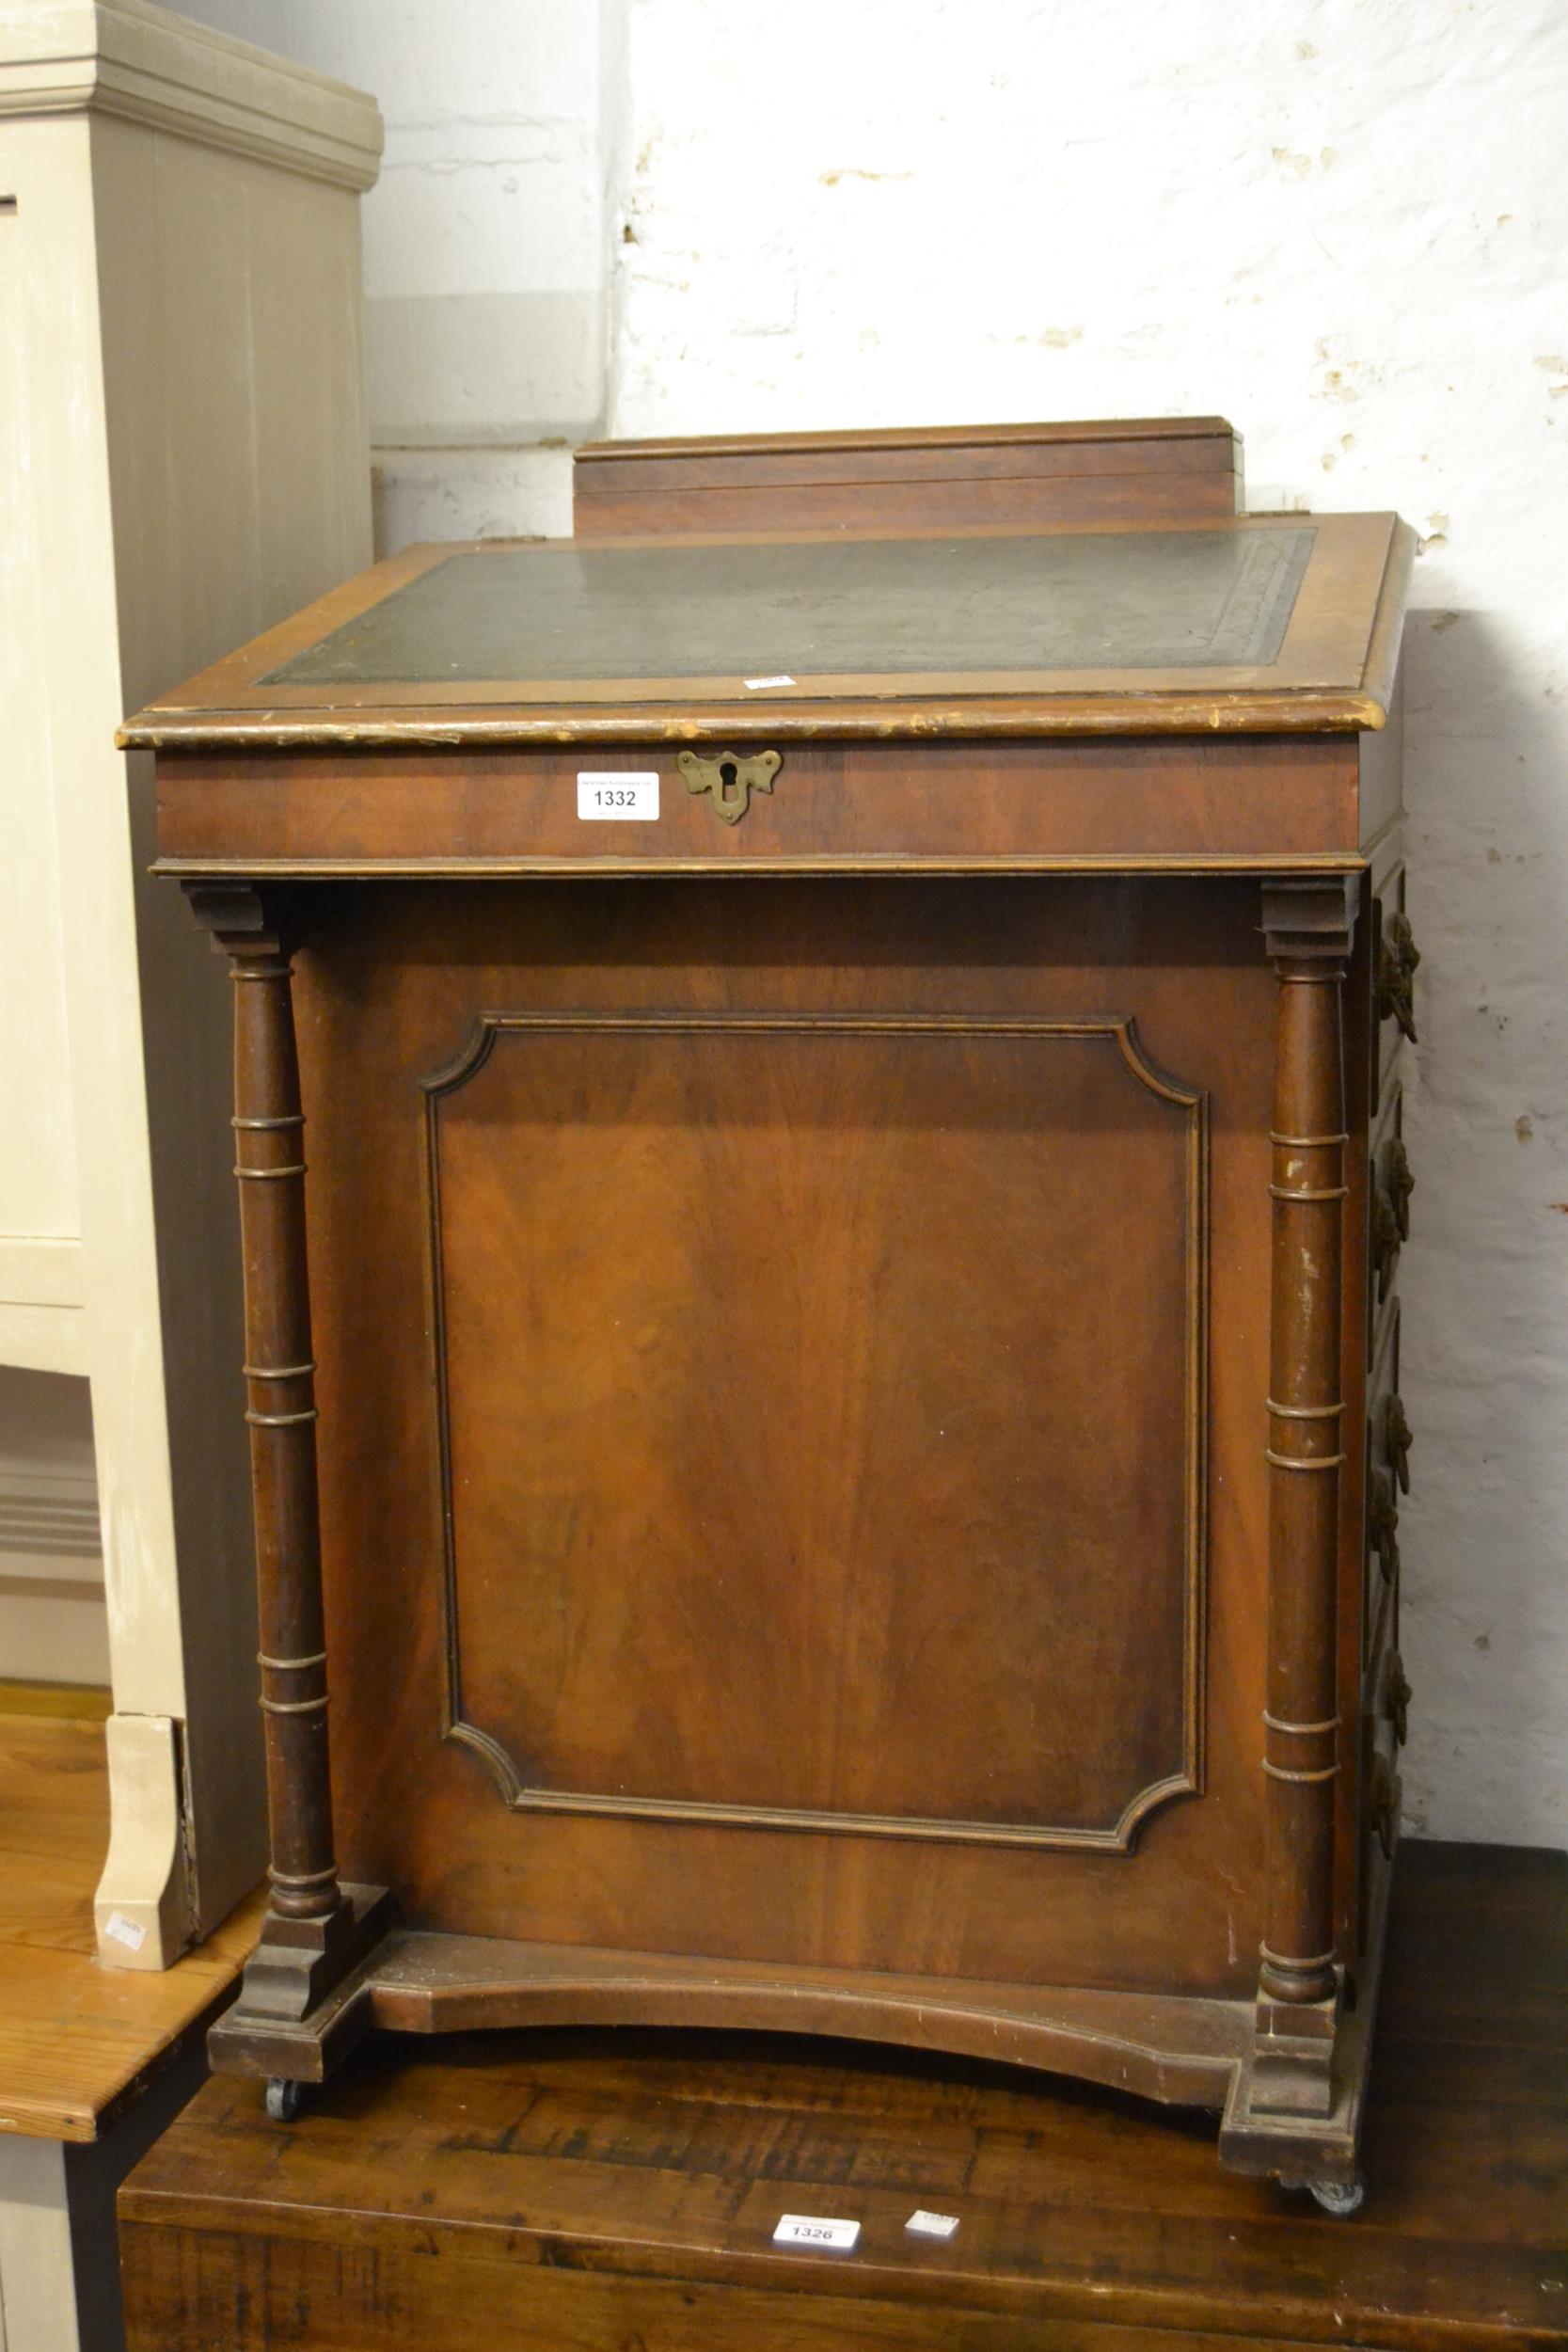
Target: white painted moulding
x: 40, y: 1270
x: 148, y: 64
x: 43, y: 1338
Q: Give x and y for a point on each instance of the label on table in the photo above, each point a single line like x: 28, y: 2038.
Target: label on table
x: 804, y: 2229
x: 127, y: 1931
x: 615, y: 792
x: 923, y: 2224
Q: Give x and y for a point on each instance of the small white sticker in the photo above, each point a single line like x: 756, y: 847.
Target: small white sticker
x: 923, y: 2224
x: 125, y: 1931
x: 613, y: 793
x: 755, y: 684
x: 804, y: 2229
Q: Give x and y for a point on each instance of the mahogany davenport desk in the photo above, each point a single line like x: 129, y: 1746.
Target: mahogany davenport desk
x: 817, y: 1116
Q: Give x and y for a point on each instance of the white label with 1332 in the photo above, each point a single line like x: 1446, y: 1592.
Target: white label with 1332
x: 611, y: 792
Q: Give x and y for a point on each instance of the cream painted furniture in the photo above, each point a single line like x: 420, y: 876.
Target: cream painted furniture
x: 92, y: 2066
x: 182, y: 460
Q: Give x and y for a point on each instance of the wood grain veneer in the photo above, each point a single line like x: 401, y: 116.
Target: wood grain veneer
x: 1185, y: 470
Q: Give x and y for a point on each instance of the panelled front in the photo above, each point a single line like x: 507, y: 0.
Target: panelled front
x: 781, y: 1391
x: 758, y: 1324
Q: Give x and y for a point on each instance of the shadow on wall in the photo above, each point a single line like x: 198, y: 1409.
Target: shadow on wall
x: 1485, y: 1283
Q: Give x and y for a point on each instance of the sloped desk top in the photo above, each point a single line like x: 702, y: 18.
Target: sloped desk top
x: 1274, y: 623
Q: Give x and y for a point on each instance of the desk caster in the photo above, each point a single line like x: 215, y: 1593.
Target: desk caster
x: 284, y: 2099
x: 1339, y: 2198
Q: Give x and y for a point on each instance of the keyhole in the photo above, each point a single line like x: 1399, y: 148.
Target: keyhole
x: 727, y: 776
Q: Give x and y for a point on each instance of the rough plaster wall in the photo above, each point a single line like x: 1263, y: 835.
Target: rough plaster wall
x: 1337, y: 222
x: 1340, y: 223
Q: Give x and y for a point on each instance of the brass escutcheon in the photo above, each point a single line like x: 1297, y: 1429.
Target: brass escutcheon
x: 729, y: 778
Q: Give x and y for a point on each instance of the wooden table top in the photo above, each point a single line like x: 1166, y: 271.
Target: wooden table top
x: 603, y: 2189
x: 1277, y: 621
x: 79, y: 2040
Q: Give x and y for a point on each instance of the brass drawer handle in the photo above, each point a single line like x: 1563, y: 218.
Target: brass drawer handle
x: 730, y: 778
x: 1386, y: 1792
x: 1390, y: 1213
x: 1386, y: 1240
x: 1401, y: 1184
x: 1398, y: 1438
x: 1383, y: 1523
x: 1396, y: 958
x: 1397, y: 1695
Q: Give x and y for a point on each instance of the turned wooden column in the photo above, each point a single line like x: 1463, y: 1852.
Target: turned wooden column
x: 269, y: 1163
x: 1308, y: 928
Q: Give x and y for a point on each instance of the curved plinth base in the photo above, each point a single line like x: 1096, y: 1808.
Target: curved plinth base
x: 1181, y: 2050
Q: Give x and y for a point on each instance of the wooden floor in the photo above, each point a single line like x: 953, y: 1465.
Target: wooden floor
x: 77, y: 2039
x: 591, y: 2191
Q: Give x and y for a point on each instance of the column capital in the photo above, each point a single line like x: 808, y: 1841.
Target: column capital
x: 1311, y: 918
x: 237, y: 917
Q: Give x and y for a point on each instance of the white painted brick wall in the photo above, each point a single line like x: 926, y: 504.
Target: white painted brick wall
x: 1340, y: 223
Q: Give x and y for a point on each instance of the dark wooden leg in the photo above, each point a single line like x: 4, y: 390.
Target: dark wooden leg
x: 315, y: 1930
x: 1305, y: 1448
x: 1308, y: 926
x: 269, y: 1134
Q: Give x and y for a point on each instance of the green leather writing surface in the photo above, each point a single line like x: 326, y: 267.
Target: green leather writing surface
x: 1098, y: 600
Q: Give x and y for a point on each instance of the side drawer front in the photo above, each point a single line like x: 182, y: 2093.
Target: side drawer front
x: 1395, y: 958
x: 1384, y: 1728
x: 1388, y: 1441
x: 1392, y: 1183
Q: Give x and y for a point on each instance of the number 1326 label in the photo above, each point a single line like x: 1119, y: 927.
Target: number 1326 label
x: 610, y: 793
